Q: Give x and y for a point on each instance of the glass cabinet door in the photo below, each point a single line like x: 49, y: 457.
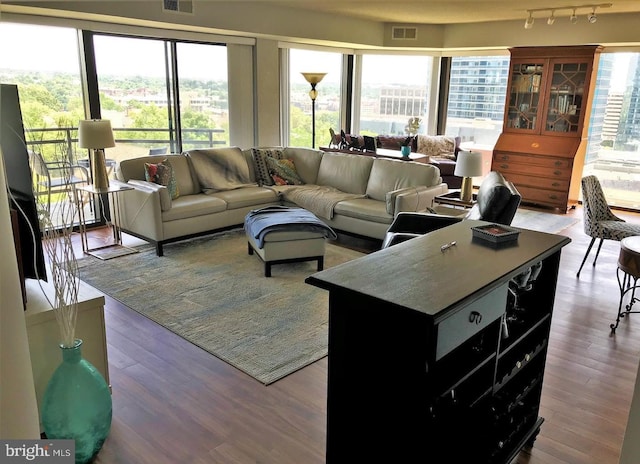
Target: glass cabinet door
x: 524, y: 96
x: 564, y: 110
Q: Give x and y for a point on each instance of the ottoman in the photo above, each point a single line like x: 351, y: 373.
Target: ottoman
x: 281, y: 234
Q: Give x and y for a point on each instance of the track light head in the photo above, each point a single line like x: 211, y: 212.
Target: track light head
x: 591, y: 17
x: 528, y: 23
x: 573, y: 18
x: 551, y: 19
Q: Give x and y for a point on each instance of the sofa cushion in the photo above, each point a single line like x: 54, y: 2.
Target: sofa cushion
x: 259, y: 160
x: 283, y: 171
x: 189, y: 206
x: 347, y: 173
x: 162, y: 174
x: 365, y: 209
x: 247, y: 196
x: 220, y: 168
x: 307, y: 161
x: 390, y: 175
x: 437, y: 146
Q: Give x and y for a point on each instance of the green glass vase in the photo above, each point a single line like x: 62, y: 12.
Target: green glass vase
x: 77, y: 404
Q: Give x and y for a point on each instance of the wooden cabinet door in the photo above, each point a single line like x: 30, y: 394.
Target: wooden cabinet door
x: 525, y: 97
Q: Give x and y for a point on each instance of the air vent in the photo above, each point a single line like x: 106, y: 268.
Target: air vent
x: 404, y: 33
x: 178, y: 6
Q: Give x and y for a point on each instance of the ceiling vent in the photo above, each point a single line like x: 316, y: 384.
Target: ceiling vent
x: 178, y: 6
x: 404, y: 33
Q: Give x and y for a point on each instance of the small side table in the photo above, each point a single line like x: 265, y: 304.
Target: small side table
x: 115, y: 248
x: 452, y: 198
x: 628, y: 274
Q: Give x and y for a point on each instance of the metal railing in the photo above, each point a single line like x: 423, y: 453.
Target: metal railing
x: 67, y: 137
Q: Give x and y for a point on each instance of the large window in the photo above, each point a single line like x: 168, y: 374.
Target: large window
x: 477, y: 92
x: 47, y: 73
x: 137, y: 84
x: 613, y: 150
x: 393, y: 89
x: 327, y: 106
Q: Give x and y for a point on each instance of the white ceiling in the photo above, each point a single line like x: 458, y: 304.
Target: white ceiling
x: 451, y: 11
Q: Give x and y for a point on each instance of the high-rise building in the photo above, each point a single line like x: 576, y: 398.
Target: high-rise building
x: 629, y: 131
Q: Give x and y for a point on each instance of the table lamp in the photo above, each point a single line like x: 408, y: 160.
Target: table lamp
x: 96, y: 135
x: 468, y: 165
x: 313, y: 79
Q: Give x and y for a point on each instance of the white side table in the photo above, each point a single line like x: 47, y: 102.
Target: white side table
x: 44, y: 335
x: 115, y: 248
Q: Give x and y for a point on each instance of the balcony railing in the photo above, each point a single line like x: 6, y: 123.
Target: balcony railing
x: 65, y: 139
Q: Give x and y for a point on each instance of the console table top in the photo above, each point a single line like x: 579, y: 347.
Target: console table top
x: 416, y: 274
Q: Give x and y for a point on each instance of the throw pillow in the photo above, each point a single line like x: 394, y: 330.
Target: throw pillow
x: 259, y: 157
x: 283, y: 172
x: 162, y: 174
x: 437, y: 146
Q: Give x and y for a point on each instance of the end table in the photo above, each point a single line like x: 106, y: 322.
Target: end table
x: 115, y: 248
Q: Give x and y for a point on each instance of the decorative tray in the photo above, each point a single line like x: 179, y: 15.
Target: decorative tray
x: 495, y: 233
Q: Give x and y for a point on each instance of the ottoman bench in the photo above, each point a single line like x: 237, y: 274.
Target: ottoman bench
x: 282, y: 234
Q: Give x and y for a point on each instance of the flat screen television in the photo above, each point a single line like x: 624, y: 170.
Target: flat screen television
x: 19, y: 182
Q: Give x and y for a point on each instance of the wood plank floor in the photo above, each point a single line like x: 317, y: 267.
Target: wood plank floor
x: 175, y: 403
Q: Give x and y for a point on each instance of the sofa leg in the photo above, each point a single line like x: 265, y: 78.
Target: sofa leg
x: 159, y: 250
x: 320, y: 263
x: 267, y: 269
x: 249, y: 248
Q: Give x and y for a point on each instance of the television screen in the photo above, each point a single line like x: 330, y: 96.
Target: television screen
x: 19, y: 182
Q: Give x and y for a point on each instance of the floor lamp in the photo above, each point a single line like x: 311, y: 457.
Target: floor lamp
x: 313, y: 79
x: 96, y: 135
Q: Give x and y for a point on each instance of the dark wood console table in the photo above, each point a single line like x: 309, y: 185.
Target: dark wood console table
x: 431, y: 355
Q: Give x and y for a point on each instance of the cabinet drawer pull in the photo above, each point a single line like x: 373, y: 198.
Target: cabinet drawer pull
x: 558, y: 163
x: 475, y: 316
x: 518, y: 364
x: 555, y: 184
x: 504, y: 166
x: 553, y: 197
x: 557, y: 173
x: 505, y: 158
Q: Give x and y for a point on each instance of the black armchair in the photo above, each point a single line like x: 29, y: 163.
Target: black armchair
x: 497, y: 201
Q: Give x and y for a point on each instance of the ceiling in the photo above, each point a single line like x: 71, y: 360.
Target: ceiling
x: 452, y: 11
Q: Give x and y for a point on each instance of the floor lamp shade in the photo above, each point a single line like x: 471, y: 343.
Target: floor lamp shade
x: 313, y: 79
x: 96, y: 135
x: 468, y: 165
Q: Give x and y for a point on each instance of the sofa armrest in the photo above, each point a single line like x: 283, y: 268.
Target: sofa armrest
x: 141, y: 212
x: 165, y: 196
x: 413, y: 198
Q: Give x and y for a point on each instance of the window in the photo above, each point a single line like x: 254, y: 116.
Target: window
x: 136, y: 84
x: 613, y: 149
x: 394, y: 88
x: 476, y: 112
x: 327, y: 105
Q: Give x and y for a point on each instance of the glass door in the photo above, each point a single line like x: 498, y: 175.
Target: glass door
x: 564, y: 110
x: 524, y: 97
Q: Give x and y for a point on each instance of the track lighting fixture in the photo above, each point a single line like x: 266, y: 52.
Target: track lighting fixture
x: 591, y: 17
x: 573, y: 18
x: 551, y: 19
x: 528, y: 23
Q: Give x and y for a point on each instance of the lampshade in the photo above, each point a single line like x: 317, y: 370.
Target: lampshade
x: 95, y: 134
x: 313, y: 78
x: 468, y: 164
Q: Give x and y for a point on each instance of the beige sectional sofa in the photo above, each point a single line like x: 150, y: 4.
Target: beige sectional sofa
x: 351, y: 193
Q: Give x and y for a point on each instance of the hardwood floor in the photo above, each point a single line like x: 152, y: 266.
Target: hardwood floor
x: 175, y: 403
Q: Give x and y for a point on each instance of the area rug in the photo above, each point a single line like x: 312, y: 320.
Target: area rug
x: 541, y: 221
x: 211, y: 292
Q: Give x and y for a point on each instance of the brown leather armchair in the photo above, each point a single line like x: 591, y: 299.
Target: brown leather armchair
x: 497, y: 201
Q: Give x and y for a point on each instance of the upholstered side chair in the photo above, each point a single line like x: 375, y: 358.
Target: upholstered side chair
x: 497, y: 201
x: 598, y: 219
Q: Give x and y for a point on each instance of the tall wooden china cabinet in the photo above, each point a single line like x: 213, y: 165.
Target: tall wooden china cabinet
x: 543, y: 143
